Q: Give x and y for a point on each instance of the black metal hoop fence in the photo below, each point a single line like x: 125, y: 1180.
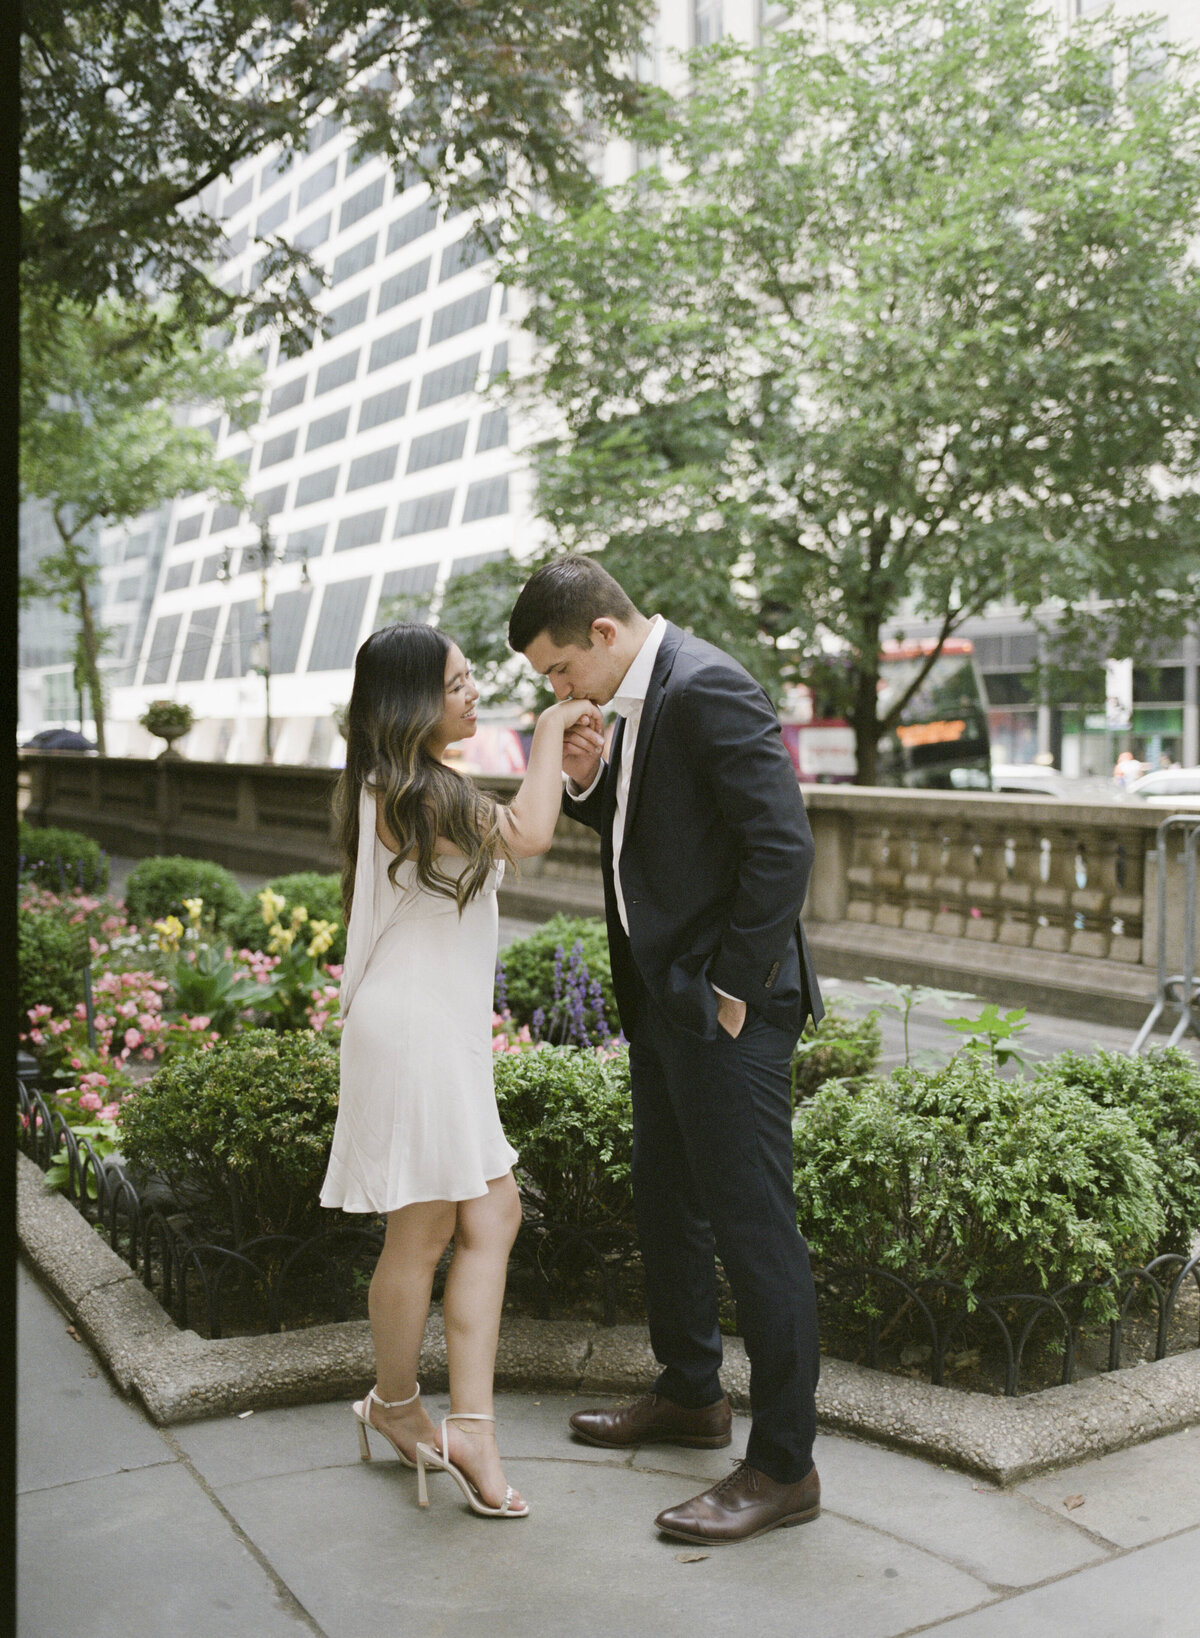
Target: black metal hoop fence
x: 193, y: 1278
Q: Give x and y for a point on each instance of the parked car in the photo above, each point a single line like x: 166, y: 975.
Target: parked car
x: 1028, y: 779
x: 1169, y: 788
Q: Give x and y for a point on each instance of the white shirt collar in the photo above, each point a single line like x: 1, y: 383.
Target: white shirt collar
x: 636, y: 682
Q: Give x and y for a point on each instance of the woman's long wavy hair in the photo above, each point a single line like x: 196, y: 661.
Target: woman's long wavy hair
x: 398, y: 700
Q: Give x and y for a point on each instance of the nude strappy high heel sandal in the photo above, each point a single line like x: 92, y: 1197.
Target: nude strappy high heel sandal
x: 439, y: 1461
x: 362, y: 1410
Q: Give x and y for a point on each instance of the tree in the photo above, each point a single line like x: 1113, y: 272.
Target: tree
x: 100, y: 442
x: 133, y: 110
x: 907, y: 320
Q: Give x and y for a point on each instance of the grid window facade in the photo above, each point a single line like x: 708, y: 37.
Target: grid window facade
x: 239, y: 198
x: 413, y: 225
x: 403, y: 286
x: 329, y: 429
x: 277, y: 449
x: 288, y: 615
x: 347, y: 316
x: 493, y: 430
x: 451, y: 381
x: 377, y: 467
x: 241, y: 628
x: 314, y: 234
x: 435, y: 448
x: 128, y: 589
x: 364, y: 530
x: 136, y: 546
x: 177, y: 576
x: 210, y: 568
x: 232, y: 244
x: 499, y: 360
x: 460, y: 315
x: 224, y: 517
x: 424, y: 514
x: 392, y: 348
x: 414, y: 586
x: 162, y: 647
x: 270, y: 501
x: 354, y: 260
x: 197, y: 644
x: 288, y: 396
x: 336, y: 373
x: 463, y: 253
x: 486, y: 499
x: 335, y: 640
x: 305, y: 543
x: 317, y: 486
x: 322, y: 132
x: 383, y: 407
x: 189, y: 528
x: 361, y: 204
x: 468, y: 565
x: 318, y: 183
x: 273, y: 217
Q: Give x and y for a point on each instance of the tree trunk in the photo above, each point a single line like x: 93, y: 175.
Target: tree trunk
x: 90, y: 662
x: 864, y: 713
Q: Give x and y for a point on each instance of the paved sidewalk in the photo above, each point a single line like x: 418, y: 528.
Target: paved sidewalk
x: 268, y: 1526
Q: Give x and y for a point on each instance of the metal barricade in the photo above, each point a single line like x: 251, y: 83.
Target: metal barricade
x: 1177, y: 991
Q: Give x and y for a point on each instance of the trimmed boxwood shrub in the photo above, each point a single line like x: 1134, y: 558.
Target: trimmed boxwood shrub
x: 841, y: 1047
x: 62, y: 860
x: 1160, y: 1092
x: 566, y: 1110
x: 528, y: 965
x: 250, y: 1122
x: 157, y: 887
x: 998, y: 1185
x: 322, y: 897
x: 51, y: 954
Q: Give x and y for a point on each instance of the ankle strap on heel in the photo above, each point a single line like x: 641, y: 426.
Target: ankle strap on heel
x: 392, y: 1404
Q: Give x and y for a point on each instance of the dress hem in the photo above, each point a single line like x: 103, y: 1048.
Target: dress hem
x: 415, y: 1200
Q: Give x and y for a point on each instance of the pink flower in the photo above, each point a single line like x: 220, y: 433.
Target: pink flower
x: 199, y: 1022
x: 499, y: 1044
x: 90, y: 1100
x: 110, y: 1111
x: 36, y: 1036
x: 42, y: 1010
x: 318, y: 1020
x: 133, y: 1037
x: 148, y: 1054
x: 76, y: 1063
x: 334, y: 969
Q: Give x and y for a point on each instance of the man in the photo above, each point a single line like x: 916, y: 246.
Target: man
x: 706, y: 851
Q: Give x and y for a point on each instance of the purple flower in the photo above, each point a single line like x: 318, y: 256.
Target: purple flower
x: 501, y: 1001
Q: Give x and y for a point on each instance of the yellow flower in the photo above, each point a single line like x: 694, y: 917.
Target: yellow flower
x: 281, y: 939
x: 299, y: 914
x: 170, y: 931
x: 323, y: 934
x: 272, y: 905
x: 195, y: 909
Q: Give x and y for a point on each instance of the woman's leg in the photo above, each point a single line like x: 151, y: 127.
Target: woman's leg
x: 483, y: 1236
x: 398, y: 1303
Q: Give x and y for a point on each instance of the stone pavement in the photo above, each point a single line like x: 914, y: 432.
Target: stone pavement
x: 268, y: 1526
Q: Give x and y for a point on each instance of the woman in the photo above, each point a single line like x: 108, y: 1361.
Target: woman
x: 418, y: 1134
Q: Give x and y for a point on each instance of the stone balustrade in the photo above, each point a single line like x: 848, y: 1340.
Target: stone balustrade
x: 1019, y: 899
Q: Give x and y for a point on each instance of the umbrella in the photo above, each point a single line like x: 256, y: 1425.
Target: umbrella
x: 58, y: 739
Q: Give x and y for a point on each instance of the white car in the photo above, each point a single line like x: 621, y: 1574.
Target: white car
x: 1169, y: 788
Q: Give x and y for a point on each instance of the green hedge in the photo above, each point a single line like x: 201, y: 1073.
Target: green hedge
x: 841, y: 1046
x: 51, y: 955
x: 250, y: 1121
x: 1160, y: 1092
x: 566, y: 1110
x: 999, y: 1185
x: 158, y: 886
x: 62, y: 860
x: 528, y: 966
x: 320, y: 894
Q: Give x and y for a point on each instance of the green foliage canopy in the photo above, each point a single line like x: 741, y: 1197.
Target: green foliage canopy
x: 905, y: 317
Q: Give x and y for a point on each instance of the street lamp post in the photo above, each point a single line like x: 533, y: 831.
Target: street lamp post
x: 263, y: 554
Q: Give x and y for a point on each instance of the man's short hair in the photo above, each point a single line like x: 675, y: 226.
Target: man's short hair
x: 562, y: 599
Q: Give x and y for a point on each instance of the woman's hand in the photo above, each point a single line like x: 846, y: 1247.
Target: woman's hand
x: 583, y: 739
x: 577, y: 714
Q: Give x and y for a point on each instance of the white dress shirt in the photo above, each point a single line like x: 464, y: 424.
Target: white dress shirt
x: 627, y: 702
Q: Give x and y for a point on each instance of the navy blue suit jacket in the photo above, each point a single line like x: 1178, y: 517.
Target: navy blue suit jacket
x: 716, y: 852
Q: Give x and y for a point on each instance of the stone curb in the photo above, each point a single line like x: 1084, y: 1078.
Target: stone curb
x: 180, y: 1377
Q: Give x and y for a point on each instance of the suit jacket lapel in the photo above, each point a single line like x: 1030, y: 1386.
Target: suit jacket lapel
x: 655, y: 695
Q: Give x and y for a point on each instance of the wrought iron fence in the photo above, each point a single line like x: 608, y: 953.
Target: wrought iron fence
x: 192, y: 1277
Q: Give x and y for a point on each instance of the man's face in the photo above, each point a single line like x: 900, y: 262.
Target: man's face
x: 582, y: 673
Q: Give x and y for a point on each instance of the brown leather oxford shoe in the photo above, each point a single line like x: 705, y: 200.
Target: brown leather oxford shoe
x: 745, y: 1503
x: 653, y: 1420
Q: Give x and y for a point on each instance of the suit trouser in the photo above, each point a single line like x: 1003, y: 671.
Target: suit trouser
x: 712, y: 1172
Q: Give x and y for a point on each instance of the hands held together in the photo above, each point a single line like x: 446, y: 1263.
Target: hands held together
x: 583, y: 738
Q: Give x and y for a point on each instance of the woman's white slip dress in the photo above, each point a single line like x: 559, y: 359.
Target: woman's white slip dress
x: 417, y: 1116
